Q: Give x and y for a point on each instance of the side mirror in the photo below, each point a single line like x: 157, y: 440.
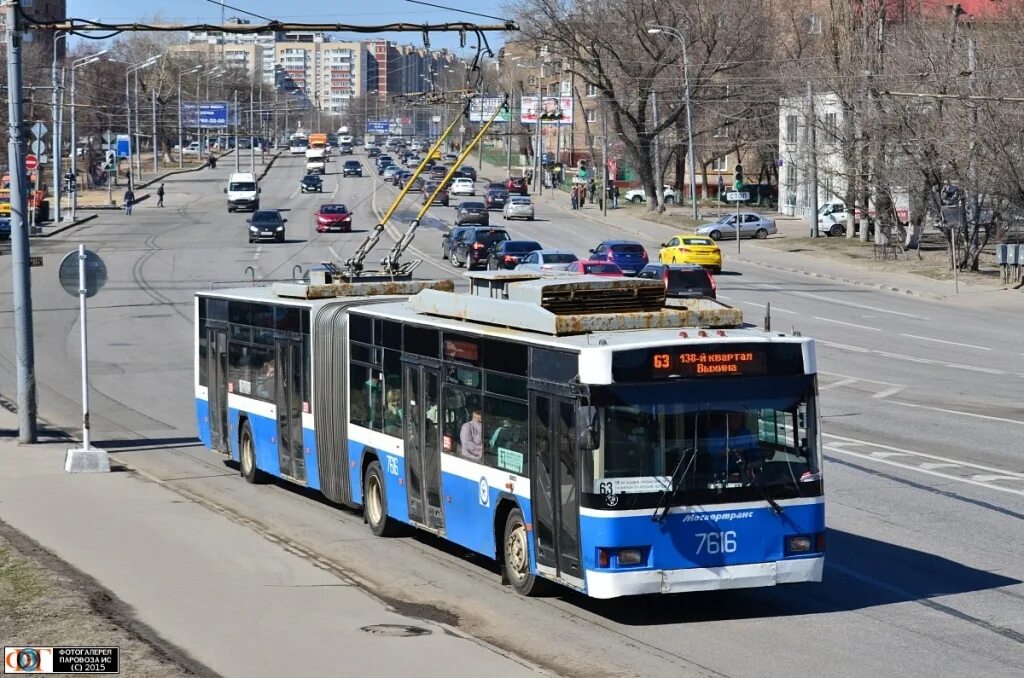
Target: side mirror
x: 588, y: 428
x: 284, y: 221
x: 225, y: 190
x: 259, y: 190
x: 248, y: 221
x: 663, y: 245
x: 592, y: 251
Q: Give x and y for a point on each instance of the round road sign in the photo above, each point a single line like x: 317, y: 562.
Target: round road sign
x: 31, y: 162
x: 95, y: 273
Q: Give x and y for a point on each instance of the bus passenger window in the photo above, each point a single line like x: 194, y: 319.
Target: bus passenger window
x: 393, y: 413
x: 365, y: 399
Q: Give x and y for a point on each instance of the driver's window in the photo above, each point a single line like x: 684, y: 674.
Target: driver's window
x: 674, y: 242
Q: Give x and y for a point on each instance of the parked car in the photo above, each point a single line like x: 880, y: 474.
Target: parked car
x: 462, y: 186
x: 352, y: 168
x: 266, y: 225
x: 442, y: 197
x: 496, y: 198
x: 194, y: 148
x: 752, y: 225
x: 691, y: 249
x: 547, y: 260
x: 682, y: 281
x: 832, y: 218
x: 468, y: 172
x: 311, y: 183
x: 518, y: 207
x: 629, y: 255
x: 639, y: 195
x: 605, y: 269
x: 473, y: 248
x: 509, y: 253
x: 517, y: 185
x: 472, y: 213
x: 450, y: 238
x: 333, y: 217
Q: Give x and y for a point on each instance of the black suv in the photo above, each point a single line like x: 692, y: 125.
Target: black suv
x: 311, y: 183
x: 266, y: 225
x: 450, y: 238
x: 687, y: 282
x: 507, y: 254
x: 472, y: 213
x: 352, y: 168
x: 473, y: 246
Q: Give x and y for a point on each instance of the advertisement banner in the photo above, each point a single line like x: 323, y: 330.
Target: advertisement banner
x: 482, y: 108
x: 206, y: 115
x: 377, y: 126
x: 551, y: 110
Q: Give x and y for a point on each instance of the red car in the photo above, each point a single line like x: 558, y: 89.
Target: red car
x: 333, y: 218
x: 517, y: 186
x: 604, y: 269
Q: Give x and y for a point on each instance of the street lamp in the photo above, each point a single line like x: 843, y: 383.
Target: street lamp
x: 76, y: 64
x: 181, y: 136
x: 366, y: 111
x: 654, y: 30
x: 58, y: 135
x: 209, y: 75
x: 538, y: 177
x: 134, y: 68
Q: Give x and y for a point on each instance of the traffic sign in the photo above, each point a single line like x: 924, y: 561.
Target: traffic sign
x: 38, y: 147
x: 31, y: 162
x: 39, y: 129
x: 108, y: 136
x: 95, y: 273
x: 737, y: 196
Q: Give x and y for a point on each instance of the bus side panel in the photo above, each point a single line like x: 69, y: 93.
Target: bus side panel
x: 470, y: 492
x: 264, y: 434
x: 203, y: 420
x: 706, y: 536
x: 311, y: 454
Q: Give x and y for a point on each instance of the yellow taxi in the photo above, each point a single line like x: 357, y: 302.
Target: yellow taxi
x: 692, y: 249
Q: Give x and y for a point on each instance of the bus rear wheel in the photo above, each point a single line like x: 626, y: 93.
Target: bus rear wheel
x: 375, y: 503
x: 516, y: 552
x: 247, y: 456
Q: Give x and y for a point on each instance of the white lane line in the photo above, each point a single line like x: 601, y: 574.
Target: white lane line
x: 774, y: 308
x: 840, y: 322
x: 337, y: 185
x: 943, y: 341
x: 259, y: 251
x: 845, y: 441
x: 294, y: 193
x: 839, y: 384
x: 334, y: 254
x: 972, y: 368
x: 987, y: 417
x: 861, y: 306
x: 910, y: 358
x: 888, y: 392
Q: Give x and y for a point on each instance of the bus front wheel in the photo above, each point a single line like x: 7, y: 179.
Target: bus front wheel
x: 375, y: 503
x: 516, y: 552
x: 247, y: 456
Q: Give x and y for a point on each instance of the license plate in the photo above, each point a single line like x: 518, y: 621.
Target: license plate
x: 266, y: 233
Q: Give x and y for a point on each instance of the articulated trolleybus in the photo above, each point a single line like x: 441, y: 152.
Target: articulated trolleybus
x: 579, y: 430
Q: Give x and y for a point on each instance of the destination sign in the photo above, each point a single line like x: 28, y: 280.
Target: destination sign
x: 703, y: 363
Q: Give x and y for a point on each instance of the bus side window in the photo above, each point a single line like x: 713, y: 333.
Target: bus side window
x: 366, y: 400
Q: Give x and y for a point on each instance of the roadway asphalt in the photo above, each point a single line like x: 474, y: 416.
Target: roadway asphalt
x: 922, y: 421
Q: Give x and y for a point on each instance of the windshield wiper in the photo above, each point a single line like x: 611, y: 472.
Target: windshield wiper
x: 761, y: 489
x: 675, y: 482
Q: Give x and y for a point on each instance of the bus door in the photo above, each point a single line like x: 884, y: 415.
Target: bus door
x: 422, y: 434
x: 217, y: 387
x: 288, y: 396
x: 555, y: 486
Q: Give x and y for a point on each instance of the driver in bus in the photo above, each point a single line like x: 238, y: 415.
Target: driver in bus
x: 728, y: 434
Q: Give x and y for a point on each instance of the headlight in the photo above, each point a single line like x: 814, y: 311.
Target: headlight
x: 798, y: 544
x: 253, y: 228
x: 281, y: 227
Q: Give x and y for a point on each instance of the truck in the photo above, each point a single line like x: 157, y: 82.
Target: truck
x: 318, y: 140
x: 316, y: 161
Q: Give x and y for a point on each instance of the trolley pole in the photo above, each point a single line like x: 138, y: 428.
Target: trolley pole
x: 22, y: 280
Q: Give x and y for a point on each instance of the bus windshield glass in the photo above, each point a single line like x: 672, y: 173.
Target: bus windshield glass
x: 717, y: 434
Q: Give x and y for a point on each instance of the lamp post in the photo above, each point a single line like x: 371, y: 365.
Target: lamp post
x: 58, y: 136
x: 181, y: 134
x: 654, y: 30
x: 366, y: 112
x: 538, y: 176
x: 76, y: 64
x: 204, y: 140
x: 134, y: 68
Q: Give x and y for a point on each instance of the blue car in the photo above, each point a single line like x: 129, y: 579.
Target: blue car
x: 629, y: 255
x: 5, y: 228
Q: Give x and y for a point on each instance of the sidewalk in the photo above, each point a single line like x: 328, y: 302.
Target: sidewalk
x: 757, y: 253
x: 235, y: 601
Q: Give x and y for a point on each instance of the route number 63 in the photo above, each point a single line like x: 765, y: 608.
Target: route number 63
x: 716, y: 542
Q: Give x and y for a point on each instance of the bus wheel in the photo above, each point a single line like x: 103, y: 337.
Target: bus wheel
x: 247, y: 456
x: 516, y: 551
x: 375, y: 503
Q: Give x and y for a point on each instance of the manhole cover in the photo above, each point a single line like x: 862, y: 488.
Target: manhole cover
x: 396, y: 630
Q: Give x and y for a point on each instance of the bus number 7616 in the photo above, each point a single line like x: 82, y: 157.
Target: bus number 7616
x: 716, y: 542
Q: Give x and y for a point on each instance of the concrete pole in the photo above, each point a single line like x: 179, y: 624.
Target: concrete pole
x: 74, y: 146
x: 181, y: 133
x: 21, y: 273
x: 252, y: 127
x: 538, y: 178
x: 604, y: 160
x: 237, y: 116
x: 508, y: 133
x: 156, y: 169
x: 812, y: 125
x: 56, y: 136
x: 691, y: 151
x: 138, y: 127
x: 128, y: 111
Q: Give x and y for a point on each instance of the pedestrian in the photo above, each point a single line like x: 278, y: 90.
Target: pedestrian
x: 574, y: 198
x: 213, y: 162
x: 583, y: 195
x: 593, y: 190
x: 615, y: 196
x: 160, y: 196
x: 129, y: 200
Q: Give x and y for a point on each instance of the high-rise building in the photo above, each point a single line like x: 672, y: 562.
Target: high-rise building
x: 329, y: 73
x: 266, y: 42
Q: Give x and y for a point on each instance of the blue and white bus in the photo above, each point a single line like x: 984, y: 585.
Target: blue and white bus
x: 577, y: 430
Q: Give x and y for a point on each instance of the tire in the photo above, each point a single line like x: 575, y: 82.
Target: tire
x: 636, y: 200
x: 715, y: 235
x: 761, y: 233
x: 836, y: 230
x: 251, y: 241
x: 279, y: 237
x: 247, y: 456
x: 375, y: 503
x: 492, y: 265
x: 444, y: 252
x: 456, y: 262
x: 516, y: 557
x: 529, y: 218
x: 231, y: 209
x: 669, y: 200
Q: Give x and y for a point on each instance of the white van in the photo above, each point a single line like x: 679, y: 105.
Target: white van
x: 243, y: 192
x: 316, y: 161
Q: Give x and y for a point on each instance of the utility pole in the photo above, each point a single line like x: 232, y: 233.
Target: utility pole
x: 237, y: 116
x: 539, y: 152
x: 604, y: 159
x: 21, y: 287
x: 508, y: 132
x: 812, y: 131
x: 138, y: 129
x: 972, y: 166
x: 252, y: 127
x: 57, y: 137
x: 658, y: 190
x: 155, y: 144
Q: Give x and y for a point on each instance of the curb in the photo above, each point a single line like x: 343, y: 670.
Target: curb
x: 65, y: 227
x: 174, y: 172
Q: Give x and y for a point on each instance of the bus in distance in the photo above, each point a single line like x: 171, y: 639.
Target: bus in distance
x: 576, y: 429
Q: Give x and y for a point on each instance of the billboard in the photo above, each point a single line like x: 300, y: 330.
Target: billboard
x: 377, y: 126
x: 482, y: 108
x: 206, y: 115
x: 553, y: 110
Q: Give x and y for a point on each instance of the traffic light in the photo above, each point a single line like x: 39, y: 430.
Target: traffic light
x: 582, y: 169
x: 69, y: 182
x: 737, y: 182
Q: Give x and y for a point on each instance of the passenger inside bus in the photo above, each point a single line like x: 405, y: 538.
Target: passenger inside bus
x: 265, y: 381
x: 393, y: 413
x: 471, y: 436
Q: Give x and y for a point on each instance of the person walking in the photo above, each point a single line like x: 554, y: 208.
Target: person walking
x: 583, y: 195
x: 593, y: 190
x: 129, y: 200
x: 615, y: 196
x: 213, y: 162
x: 160, y: 196
x: 574, y: 198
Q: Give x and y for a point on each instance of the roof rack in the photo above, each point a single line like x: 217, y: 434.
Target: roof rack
x: 329, y: 281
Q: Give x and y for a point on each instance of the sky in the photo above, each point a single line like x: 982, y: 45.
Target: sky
x: 363, y: 12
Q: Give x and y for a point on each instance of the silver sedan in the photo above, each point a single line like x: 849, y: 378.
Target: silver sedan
x: 546, y: 260
x: 519, y: 207
x: 751, y: 226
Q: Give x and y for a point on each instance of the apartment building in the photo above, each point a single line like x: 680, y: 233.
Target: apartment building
x: 330, y: 73
x: 249, y: 58
x: 265, y: 41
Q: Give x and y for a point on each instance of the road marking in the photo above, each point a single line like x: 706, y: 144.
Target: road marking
x: 943, y: 341
x: 861, y: 306
x: 334, y: 254
x: 294, y: 193
x: 337, y: 185
x: 839, y: 384
x: 987, y: 417
x: 840, y: 322
x: 259, y: 251
x: 774, y: 308
x: 911, y: 358
x: 888, y: 392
